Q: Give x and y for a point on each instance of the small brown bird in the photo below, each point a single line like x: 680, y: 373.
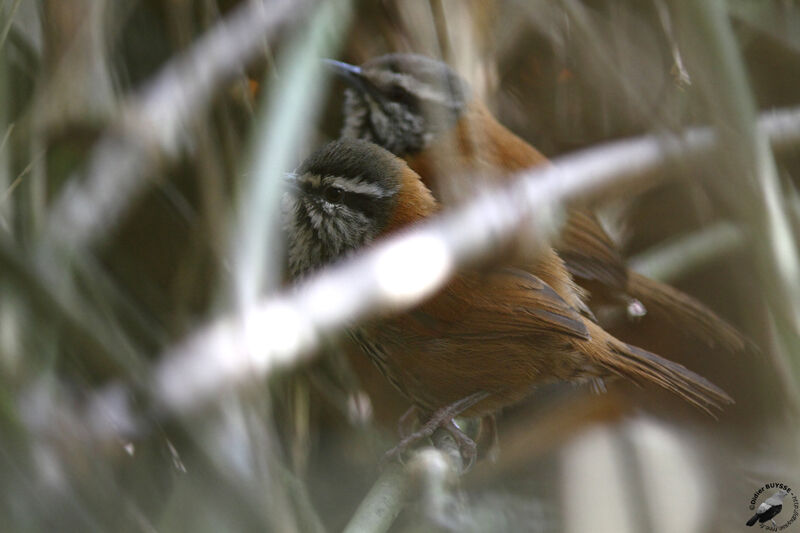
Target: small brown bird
x: 484, y: 340
x: 422, y: 111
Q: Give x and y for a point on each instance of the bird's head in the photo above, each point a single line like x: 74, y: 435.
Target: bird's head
x: 401, y: 101
x: 340, y: 198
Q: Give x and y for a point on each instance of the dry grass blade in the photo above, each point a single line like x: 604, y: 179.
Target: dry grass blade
x: 285, y: 125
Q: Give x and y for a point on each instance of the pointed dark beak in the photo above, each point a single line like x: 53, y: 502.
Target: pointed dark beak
x: 354, y: 76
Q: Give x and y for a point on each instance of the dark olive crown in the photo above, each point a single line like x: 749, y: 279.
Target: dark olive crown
x: 356, y: 159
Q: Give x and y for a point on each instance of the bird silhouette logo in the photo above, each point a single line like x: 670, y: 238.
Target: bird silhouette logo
x: 774, y: 497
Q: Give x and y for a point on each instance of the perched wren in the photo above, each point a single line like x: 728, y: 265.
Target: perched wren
x: 424, y: 112
x: 485, y: 339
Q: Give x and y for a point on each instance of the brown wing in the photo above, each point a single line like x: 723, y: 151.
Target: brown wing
x: 501, y: 303
x: 589, y: 252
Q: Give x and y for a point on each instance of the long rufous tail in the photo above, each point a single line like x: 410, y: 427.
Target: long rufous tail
x: 638, y: 364
x: 691, y: 316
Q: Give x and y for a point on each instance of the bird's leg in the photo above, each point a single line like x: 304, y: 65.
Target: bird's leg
x: 467, y: 446
x: 441, y: 418
x: 406, y: 421
x: 489, y: 427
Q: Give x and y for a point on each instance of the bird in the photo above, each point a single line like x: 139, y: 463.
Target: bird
x: 490, y: 335
x: 423, y: 111
x: 768, y: 509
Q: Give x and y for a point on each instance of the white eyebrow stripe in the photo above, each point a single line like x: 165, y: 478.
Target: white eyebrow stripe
x: 424, y: 91
x: 356, y: 186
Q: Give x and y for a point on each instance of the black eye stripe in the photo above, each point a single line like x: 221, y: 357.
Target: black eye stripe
x: 401, y: 95
x: 369, y: 205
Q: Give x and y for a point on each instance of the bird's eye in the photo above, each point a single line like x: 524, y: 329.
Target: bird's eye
x: 399, y: 94
x: 333, y: 194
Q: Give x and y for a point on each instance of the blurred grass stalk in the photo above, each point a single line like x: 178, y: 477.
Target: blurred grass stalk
x: 283, y: 129
x: 6, y: 130
x: 8, y: 19
x: 748, y: 179
x: 637, y: 476
x: 9, y: 323
x: 672, y: 260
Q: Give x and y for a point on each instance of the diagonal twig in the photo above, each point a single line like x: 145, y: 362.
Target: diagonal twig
x: 152, y: 123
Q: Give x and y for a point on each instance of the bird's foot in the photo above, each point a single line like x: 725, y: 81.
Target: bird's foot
x: 488, y: 432
x: 466, y: 446
x: 442, y: 418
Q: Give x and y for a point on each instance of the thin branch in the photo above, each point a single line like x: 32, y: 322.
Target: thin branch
x: 431, y: 470
x: 153, y: 122
x: 401, y: 271
x: 384, y: 501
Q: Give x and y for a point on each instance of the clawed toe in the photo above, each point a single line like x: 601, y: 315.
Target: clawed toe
x: 409, y: 440
x: 443, y: 418
x: 466, y: 446
x: 401, y: 447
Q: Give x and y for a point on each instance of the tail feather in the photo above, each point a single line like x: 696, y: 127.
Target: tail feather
x: 687, y: 313
x: 637, y: 364
x: 674, y: 377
